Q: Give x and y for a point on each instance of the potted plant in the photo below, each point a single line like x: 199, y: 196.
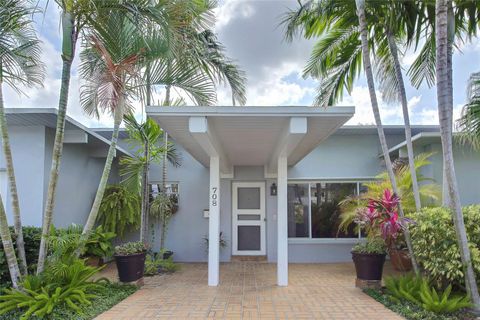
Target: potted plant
x: 383, y: 226
x: 98, y: 247
x: 130, y: 260
x: 399, y: 255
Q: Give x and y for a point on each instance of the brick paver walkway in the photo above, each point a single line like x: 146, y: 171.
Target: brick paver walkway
x: 247, y: 291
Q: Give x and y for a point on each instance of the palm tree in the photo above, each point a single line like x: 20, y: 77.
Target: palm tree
x: 145, y: 137
x: 336, y: 58
x: 469, y: 123
x: 81, y: 17
x: 376, y: 113
x: 445, y: 108
x: 19, y: 65
x: 111, y: 68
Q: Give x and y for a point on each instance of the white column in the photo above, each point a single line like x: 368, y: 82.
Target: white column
x: 214, y: 223
x: 282, y: 226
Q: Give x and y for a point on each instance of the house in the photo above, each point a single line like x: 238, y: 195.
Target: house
x: 265, y: 179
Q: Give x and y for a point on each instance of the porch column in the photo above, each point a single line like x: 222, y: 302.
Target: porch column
x: 214, y: 223
x: 282, y: 226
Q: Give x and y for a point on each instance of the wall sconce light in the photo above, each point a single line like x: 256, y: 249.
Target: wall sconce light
x: 273, y: 189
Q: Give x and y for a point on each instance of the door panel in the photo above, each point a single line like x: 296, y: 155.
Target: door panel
x: 248, y: 218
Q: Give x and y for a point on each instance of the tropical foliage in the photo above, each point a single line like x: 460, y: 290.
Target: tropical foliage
x: 429, y: 191
x: 469, y: 123
x: 417, y: 290
x: 435, y: 244
x: 130, y: 248
x: 119, y: 210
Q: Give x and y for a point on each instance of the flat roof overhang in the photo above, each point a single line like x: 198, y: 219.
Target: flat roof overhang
x: 249, y: 136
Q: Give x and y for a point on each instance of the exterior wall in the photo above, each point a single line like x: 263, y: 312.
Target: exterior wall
x: 28, y: 145
x: 79, y: 176
x: 467, y: 169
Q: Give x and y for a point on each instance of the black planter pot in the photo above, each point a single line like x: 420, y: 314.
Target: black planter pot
x: 167, y: 254
x: 369, y: 266
x: 130, y: 268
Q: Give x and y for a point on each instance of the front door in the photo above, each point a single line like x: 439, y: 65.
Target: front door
x: 248, y: 218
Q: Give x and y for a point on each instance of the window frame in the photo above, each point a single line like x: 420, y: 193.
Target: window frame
x: 309, y: 239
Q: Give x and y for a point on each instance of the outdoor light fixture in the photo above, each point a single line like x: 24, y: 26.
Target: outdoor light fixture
x: 273, y: 189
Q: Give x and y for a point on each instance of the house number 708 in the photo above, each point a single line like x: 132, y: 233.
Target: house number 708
x: 214, y: 196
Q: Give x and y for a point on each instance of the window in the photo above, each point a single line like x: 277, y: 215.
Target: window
x: 313, y: 210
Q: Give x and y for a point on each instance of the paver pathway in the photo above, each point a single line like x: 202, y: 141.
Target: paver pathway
x: 247, y: 290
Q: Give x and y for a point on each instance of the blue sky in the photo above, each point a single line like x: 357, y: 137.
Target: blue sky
x: 252, y: 36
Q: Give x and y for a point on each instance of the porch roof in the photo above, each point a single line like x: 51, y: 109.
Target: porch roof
x: 250, y: 136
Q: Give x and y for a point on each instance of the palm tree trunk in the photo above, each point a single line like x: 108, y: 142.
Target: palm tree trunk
x: 406, y: 118
x: 145, y: 191
x: 446, y: 200
x: 164, y: 169
x: 17, y: 221
x: 445, y: 107
x: 70, y: 36
x: 92, y: 217
x: 8, y: 247
x: 376, y: 112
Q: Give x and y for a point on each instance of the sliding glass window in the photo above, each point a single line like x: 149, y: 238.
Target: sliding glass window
x: 313, y: 210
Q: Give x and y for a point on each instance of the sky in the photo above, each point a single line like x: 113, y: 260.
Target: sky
x: 251, y: 33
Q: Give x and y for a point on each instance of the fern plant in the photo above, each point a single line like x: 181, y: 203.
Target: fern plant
x: 404, y: 287
x: 119, y: 210
x: 441, y: 302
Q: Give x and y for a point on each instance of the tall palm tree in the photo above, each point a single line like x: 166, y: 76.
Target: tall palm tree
x: 8, y: 247
x: 337, y: 59
x: 111, y: 67
x: 80, y: 18
x: 20, y: 65
x: 337, y: 56
x: 445, y: 108
x: 376, y: 113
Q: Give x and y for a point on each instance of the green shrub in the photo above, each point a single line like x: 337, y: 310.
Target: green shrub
x: 119, y: 210
x: 130, y: 248
x: 418, y: 291
x: 31, y: 237
x: 107, y: 295
x: 65, y: 285
x: 155, y: 264
x: 404, y: 287
x: 412, y: 311
x: 99, y: 243
x: 441, y: 302
x: 371, y: 245
x: 435, y: 245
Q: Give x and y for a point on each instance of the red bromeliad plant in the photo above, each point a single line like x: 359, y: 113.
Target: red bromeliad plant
x: 381, y: 218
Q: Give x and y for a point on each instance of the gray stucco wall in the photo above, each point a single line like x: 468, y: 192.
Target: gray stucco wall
x: 78, y: 181
x: 467, y: 169
x: 28, y: 145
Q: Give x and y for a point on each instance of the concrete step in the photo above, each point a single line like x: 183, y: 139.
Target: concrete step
x: 249, y: 258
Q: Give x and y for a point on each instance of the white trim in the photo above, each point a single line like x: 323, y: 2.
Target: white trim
x: 236, y: 222
x: 332, y: 179
x: 282, y: 222
x: 294, y: 111
x: 214, y: 223
x: 323, y: 240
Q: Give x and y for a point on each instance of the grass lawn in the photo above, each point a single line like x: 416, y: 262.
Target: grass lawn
x: 413, y: 312
x: 107, y: 298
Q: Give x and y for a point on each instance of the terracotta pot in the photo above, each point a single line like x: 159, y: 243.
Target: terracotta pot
x: 93, y: 261
x: 130, y: 268
x: 369, y: 266
x: 400, y: 259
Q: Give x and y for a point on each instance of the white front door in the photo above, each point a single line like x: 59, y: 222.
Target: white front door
x: 248, y: 218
